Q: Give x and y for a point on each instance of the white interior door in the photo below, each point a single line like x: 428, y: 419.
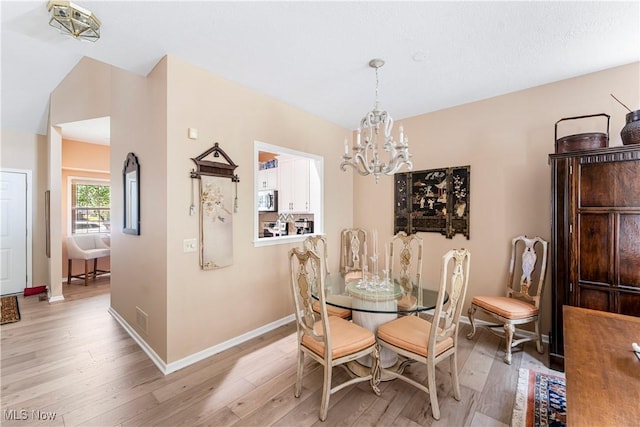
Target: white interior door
x: 13, y: 232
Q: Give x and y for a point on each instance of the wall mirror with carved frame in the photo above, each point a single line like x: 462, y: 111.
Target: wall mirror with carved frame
x: 131, y: 183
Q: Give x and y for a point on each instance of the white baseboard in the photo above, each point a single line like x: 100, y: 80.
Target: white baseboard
x: 201, y: 355
x: 157, y: 360
x: 167, y: 368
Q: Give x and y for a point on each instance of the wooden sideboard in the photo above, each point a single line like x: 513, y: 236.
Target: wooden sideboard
x: 602, y: 372
x: 595, y: 235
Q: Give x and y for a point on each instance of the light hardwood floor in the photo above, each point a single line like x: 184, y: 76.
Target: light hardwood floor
x: 71, y: 361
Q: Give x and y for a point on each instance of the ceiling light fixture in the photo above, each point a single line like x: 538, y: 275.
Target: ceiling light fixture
x: 377, y: 124
x: 74, y: 20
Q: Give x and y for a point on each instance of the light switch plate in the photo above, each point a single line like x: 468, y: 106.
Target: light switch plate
x: 190, y: 245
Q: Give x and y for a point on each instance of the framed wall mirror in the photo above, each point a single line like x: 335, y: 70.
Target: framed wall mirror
x: 131, y: 182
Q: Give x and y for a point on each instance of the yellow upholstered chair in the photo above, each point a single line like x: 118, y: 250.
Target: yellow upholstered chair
x: 318, y: 244
x: 86, y: 247
x: 329, y: 340
x: 432, y: 342
x: 522, y: 301
x: 405, y: 266
x: 353, y: 253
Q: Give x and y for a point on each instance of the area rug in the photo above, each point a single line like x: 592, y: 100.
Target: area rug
x: 540, y: 400
x: 10, y: 310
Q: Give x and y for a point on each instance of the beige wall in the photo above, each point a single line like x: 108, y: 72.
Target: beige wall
x: 206, y: 308
x: 83, y: 94
x: 506, y: 140
x: 189, y: 309
x: 81, y: 160
x: 29, y: 152
x: 139, y: 263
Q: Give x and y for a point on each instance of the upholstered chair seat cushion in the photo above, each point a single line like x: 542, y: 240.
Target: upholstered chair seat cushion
x: 333, y: 311
x: 346, y: 338
x: 352, y: 276
x: 407, y: 302
x: 509, y: 308
x: 412, y: 334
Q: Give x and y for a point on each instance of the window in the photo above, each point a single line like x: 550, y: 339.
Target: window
x: 90, y: 206
x: 288, y: 200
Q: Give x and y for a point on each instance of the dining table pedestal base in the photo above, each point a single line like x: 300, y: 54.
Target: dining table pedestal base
x: 370, y: 309
x: 357, y: 369
x: 372, y: 321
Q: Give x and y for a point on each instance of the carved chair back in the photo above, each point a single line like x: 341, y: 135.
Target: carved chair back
x: 353, y: 250
x: 526, y: 274
x: 305, y: 266
x: 405, y: 260
x: 454, y: 280
x: 318, y: 244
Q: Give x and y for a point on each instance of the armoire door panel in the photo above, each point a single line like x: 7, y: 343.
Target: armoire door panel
x: 594, y: 186
x: 626, y: 188
x: 610, y: 184
x: 595, y: 299
x: 594, y: 247
x: 629, y: 250
x: 629, y: 303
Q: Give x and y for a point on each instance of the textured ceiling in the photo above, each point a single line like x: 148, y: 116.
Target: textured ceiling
x: 314, y: 55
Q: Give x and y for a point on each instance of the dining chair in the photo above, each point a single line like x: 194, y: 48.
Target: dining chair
x: 521, y: 304
x: 318, y: 244
x: 353, y: 253
x: 86, y: 247
x: 431, y: 342
x: 406, y: 266
x: 329, y: 340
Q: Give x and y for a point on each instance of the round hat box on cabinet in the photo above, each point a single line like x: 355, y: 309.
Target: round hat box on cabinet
x: 582, y: 141
x: 630, y: 133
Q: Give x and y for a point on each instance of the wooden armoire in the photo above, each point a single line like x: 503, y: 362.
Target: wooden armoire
x: 595, y: 235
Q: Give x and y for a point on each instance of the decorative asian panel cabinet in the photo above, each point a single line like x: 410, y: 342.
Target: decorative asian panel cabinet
x: 595, y: 203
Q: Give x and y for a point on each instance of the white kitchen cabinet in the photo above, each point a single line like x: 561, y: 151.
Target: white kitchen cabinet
x: 293, y: 184
x: 268, y: 179
x: 314, y: 188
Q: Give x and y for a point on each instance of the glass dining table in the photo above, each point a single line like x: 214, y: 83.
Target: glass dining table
x: 373, y: 302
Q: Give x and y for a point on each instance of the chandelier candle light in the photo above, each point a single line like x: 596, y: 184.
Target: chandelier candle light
x: 377, y: 125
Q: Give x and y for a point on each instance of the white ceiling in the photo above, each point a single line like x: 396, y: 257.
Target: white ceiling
x: 314, y: 54
x: 94, y: 130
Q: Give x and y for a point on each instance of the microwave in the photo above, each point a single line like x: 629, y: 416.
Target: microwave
x: 268, y: 201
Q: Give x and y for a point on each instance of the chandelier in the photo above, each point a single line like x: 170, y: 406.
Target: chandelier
x: 377, y: 127
x: 73, y: 20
